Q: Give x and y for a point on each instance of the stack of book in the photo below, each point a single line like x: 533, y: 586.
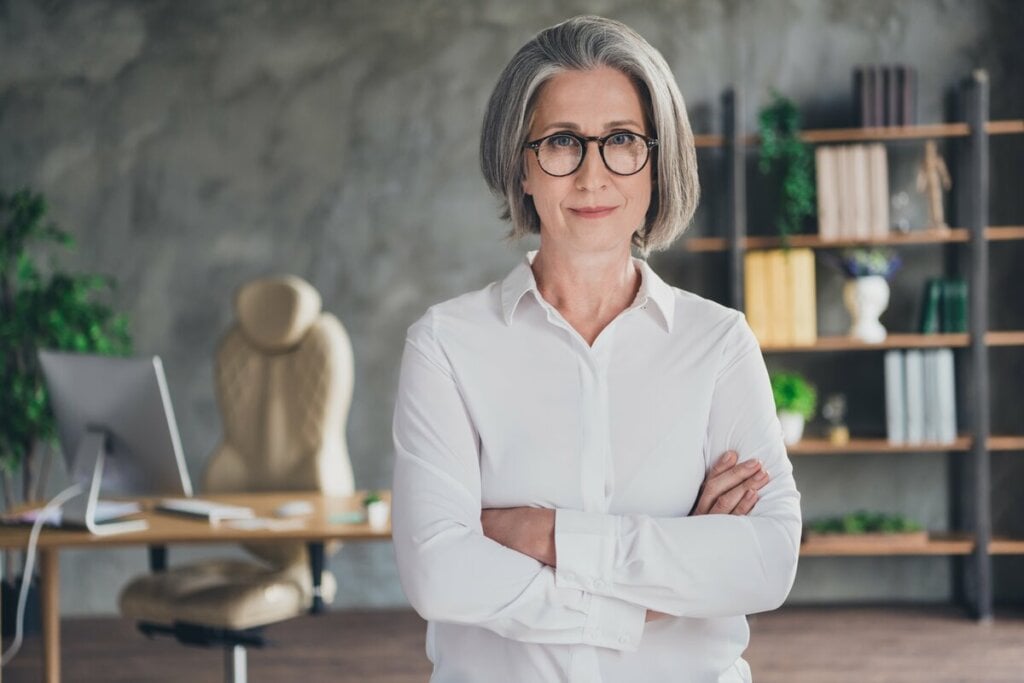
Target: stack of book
x: 853, y: 191
x: 885, y: 95
x: 920, y: 396
x: 780, y: 293
x: 944, y: 306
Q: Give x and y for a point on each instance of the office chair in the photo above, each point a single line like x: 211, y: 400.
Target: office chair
x: 284, y: 378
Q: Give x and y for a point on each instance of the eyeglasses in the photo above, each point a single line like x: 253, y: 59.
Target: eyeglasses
x: 623, y: 153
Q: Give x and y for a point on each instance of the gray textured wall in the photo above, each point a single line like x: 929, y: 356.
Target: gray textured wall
x: 193, y: 146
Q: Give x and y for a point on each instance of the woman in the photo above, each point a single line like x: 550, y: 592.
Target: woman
x: 555, y: 431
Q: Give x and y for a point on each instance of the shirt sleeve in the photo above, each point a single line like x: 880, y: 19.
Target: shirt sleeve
x: 708, y: 565
x: 449, y: 570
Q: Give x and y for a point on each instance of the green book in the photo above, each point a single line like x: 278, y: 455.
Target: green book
x: 954, y: 305
x: 930, y: 304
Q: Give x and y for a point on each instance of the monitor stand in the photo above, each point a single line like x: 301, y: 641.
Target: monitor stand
x: 81, y: 510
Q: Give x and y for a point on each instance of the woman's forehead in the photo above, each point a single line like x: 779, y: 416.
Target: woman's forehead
x: 593, y: 99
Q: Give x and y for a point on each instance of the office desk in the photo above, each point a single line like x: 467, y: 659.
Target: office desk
x: 167, y: 529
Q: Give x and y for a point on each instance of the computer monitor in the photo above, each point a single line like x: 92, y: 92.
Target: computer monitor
x: 117, y: 430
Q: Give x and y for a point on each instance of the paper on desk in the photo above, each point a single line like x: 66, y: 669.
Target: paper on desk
x: 106, y: 511
x: 264, y: 523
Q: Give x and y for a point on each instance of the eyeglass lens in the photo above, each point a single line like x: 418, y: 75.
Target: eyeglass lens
x: 624, y: 154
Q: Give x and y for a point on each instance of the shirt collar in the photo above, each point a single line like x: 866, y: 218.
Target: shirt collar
x: 652, y: 289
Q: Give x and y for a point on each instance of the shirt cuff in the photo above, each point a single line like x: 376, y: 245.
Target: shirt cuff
x: 585, y: 550
x: 614, y: 624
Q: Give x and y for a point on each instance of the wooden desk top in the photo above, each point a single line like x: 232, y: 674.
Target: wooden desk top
x: 172, y: 528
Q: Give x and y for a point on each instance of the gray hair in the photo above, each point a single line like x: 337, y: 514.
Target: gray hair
x: 580, y: 44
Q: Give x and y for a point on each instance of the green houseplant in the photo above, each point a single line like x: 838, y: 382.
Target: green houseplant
x: 41, y: 307
x: 784, y: 155
x: 795, y: 401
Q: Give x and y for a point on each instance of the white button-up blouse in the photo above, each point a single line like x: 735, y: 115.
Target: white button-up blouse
x: 501, y: 403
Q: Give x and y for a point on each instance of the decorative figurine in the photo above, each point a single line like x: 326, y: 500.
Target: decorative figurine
x: 932, y: 178
x: 834, y: 410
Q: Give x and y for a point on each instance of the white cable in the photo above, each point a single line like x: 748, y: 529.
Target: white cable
x: 26, y: 577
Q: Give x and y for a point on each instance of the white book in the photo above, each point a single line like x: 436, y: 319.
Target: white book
x: 842, y: 171
x: 946, y: 382
x: 931, y: 398
x: 825, y: 175
x: 861, y: 195
x: 895, y: 397
x: 878, y: 167
x: 915, y: 396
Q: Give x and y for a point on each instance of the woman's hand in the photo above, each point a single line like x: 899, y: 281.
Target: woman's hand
x: 530, y: 531
x: 730, y: 489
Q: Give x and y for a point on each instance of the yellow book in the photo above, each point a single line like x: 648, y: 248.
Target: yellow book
x: 803, y: 296
x: 779, y: 311
x: 755, y: 295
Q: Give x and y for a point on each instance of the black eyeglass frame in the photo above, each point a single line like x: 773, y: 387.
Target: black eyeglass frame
x: 584, y: 144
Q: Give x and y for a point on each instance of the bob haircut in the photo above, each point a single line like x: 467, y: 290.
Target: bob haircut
x: 583, y: 43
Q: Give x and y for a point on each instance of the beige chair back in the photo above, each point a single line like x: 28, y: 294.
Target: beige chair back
x: 284, y: 377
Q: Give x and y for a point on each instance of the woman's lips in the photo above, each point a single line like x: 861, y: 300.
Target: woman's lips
x: 593, y: 211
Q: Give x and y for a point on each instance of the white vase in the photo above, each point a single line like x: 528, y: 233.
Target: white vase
x: 866, y: 299
x: 792, y: 427
x: 377, y: 514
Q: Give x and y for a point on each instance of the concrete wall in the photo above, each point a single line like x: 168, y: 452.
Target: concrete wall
x: 192, y: 146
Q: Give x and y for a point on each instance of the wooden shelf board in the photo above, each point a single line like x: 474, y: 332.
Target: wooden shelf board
x: 899, y: 341
x: 808, y: 447
x: 937, y: 544
x: 825, y: 447
x: 1006, y: 546
x: 1006, y: 443
x: 880, y: 133
x: 958, y: 235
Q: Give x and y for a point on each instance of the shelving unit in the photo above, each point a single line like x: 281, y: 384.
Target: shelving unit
x: 975, y: 545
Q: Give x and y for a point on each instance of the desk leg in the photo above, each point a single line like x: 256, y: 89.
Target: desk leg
x: 49, y: 569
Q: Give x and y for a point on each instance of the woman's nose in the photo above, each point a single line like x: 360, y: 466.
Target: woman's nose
x: 592, y: 173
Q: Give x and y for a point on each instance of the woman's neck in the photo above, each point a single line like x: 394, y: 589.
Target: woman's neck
x: 591, y: 286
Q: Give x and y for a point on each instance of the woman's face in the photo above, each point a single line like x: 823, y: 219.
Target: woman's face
x: 591, y: 209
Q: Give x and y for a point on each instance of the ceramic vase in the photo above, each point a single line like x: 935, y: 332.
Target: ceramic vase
x: 792, y: 427
x: 866, y: 298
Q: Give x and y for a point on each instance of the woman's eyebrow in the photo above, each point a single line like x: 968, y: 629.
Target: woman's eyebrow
x: 567, y: 125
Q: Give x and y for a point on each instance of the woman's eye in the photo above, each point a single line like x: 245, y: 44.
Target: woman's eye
x: 562, y: 141
x: 622, y: 139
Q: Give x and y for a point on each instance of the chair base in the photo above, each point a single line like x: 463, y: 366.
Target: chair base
x: 234, y: 642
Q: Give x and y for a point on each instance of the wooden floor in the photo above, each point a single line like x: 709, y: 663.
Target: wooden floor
x: 793, y: 645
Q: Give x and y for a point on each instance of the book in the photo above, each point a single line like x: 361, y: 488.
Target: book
x: 826, y: 191
x: 755, y: 294
x: 953, y: 305
x: 891, y: 96
x: 895, y: 397
x: 802, y: 291
x: 914, y: 372
x: 878, y: 96
x: 878, y: 174
x: 861, y: 110
x: 945, y: 383
x: 843, y: 207
x: 931, y: 396
x: 777, y: 285
x: 859, y: 198
x: 928, y: 322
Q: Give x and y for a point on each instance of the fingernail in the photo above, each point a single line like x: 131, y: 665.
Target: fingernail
x: 752, y: 464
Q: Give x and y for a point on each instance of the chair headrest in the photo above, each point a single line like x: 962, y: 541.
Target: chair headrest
x: 276, y: 312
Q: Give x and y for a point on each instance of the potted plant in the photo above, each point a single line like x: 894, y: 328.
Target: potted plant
x: 864, y: 526
x: 795, y: 401
x: 866, y: 291
x: 40, y: 307
x: 377, y: 509
x: 785, y: 155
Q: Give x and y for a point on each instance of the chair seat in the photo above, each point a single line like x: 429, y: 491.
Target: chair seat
x: 232, y: 594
